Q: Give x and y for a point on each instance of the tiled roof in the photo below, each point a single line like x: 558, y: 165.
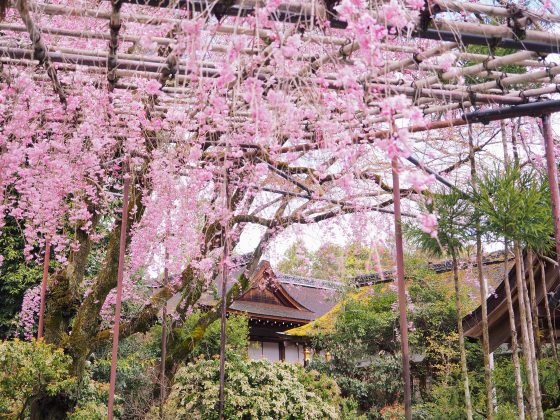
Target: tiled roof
x: 308, y: 281
x: 317, y: 295
x: 498, y: 315
x: 373, y: 278
x: 496, y: 257
x: 440, y: 266
x: 277, y: 311
x: 317, y: 300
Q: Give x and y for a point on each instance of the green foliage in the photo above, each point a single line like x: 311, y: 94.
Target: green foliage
x: 364, y: 346
x: 16, y: 274
x: 137, y: 372
x: 373, y: 381
x: 454, y: 214
x: 368, y: 323
x: 30, y: 371
x: 254, y: 389
x: 447, y: 397
x: 495, y: 52
x: 237, y: 333
x: 92, y: 402
x: 515, y: 205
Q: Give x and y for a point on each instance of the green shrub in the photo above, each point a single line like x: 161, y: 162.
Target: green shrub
x: 254, y: 389
x: 30, y: 371
x: 137, y: 372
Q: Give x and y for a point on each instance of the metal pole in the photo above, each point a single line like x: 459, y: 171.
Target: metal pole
x: 224, y: 305
x: 163, y: 339
x: 116, y: 324
x: 44, y: 289
x: 401, y: 291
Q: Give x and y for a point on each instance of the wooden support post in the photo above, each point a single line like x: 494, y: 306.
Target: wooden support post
x: 44, y: 289
x: 225, y: 256
x: 122, y: 247
x: 162, y: 386
x: 401, y: 292
x: 553, y: 183
x: 552, y: 179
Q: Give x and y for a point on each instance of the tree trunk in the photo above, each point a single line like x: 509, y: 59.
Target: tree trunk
x: 548, y: 315
x: 523, y: 321
x: 488, y: 380
x: 462, y: 350
x: 514, y: 346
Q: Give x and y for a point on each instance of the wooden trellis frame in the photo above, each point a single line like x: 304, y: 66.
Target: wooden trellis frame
x: 433, y: 88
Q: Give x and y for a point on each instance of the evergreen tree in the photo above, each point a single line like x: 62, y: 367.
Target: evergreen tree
x: 515, y: 205
x: 454, y: 214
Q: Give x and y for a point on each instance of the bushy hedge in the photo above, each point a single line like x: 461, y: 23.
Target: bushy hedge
x: 39, y: 373
x: 30, y: 371
x: 254, y: 389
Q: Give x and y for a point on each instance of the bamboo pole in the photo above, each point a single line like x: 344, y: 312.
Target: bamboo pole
x: 514, y: 343
x: 224, y: 272
x: 100, y: 62
x: 118, y: 302
x: 58, y: 10
x: 163, y: 384
x: 523, y: 321
x: 551, y: 329
x: 518, y: 79
x: 451, y: 95
x: 156, y: 64
x: 464, y: 27
x: 533, y: 300
x: 41, y: 326
x: 415, y: 60
x: 483, y: 287
x: 477, y: 68
x: 463, y: 357
x: 459, y: 6
x: 502, y: 31
x: 531, y: 353
x: 403, y: 323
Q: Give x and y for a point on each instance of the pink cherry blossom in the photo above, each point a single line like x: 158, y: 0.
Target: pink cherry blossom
x: 428, y: 224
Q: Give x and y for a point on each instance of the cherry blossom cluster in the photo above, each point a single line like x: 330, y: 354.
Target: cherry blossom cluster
x: 63, y: 163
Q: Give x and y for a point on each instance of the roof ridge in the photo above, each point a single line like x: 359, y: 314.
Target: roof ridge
x: 307, y: 281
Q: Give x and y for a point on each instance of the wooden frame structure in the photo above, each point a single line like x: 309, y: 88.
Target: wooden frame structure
x: 512, y: 70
